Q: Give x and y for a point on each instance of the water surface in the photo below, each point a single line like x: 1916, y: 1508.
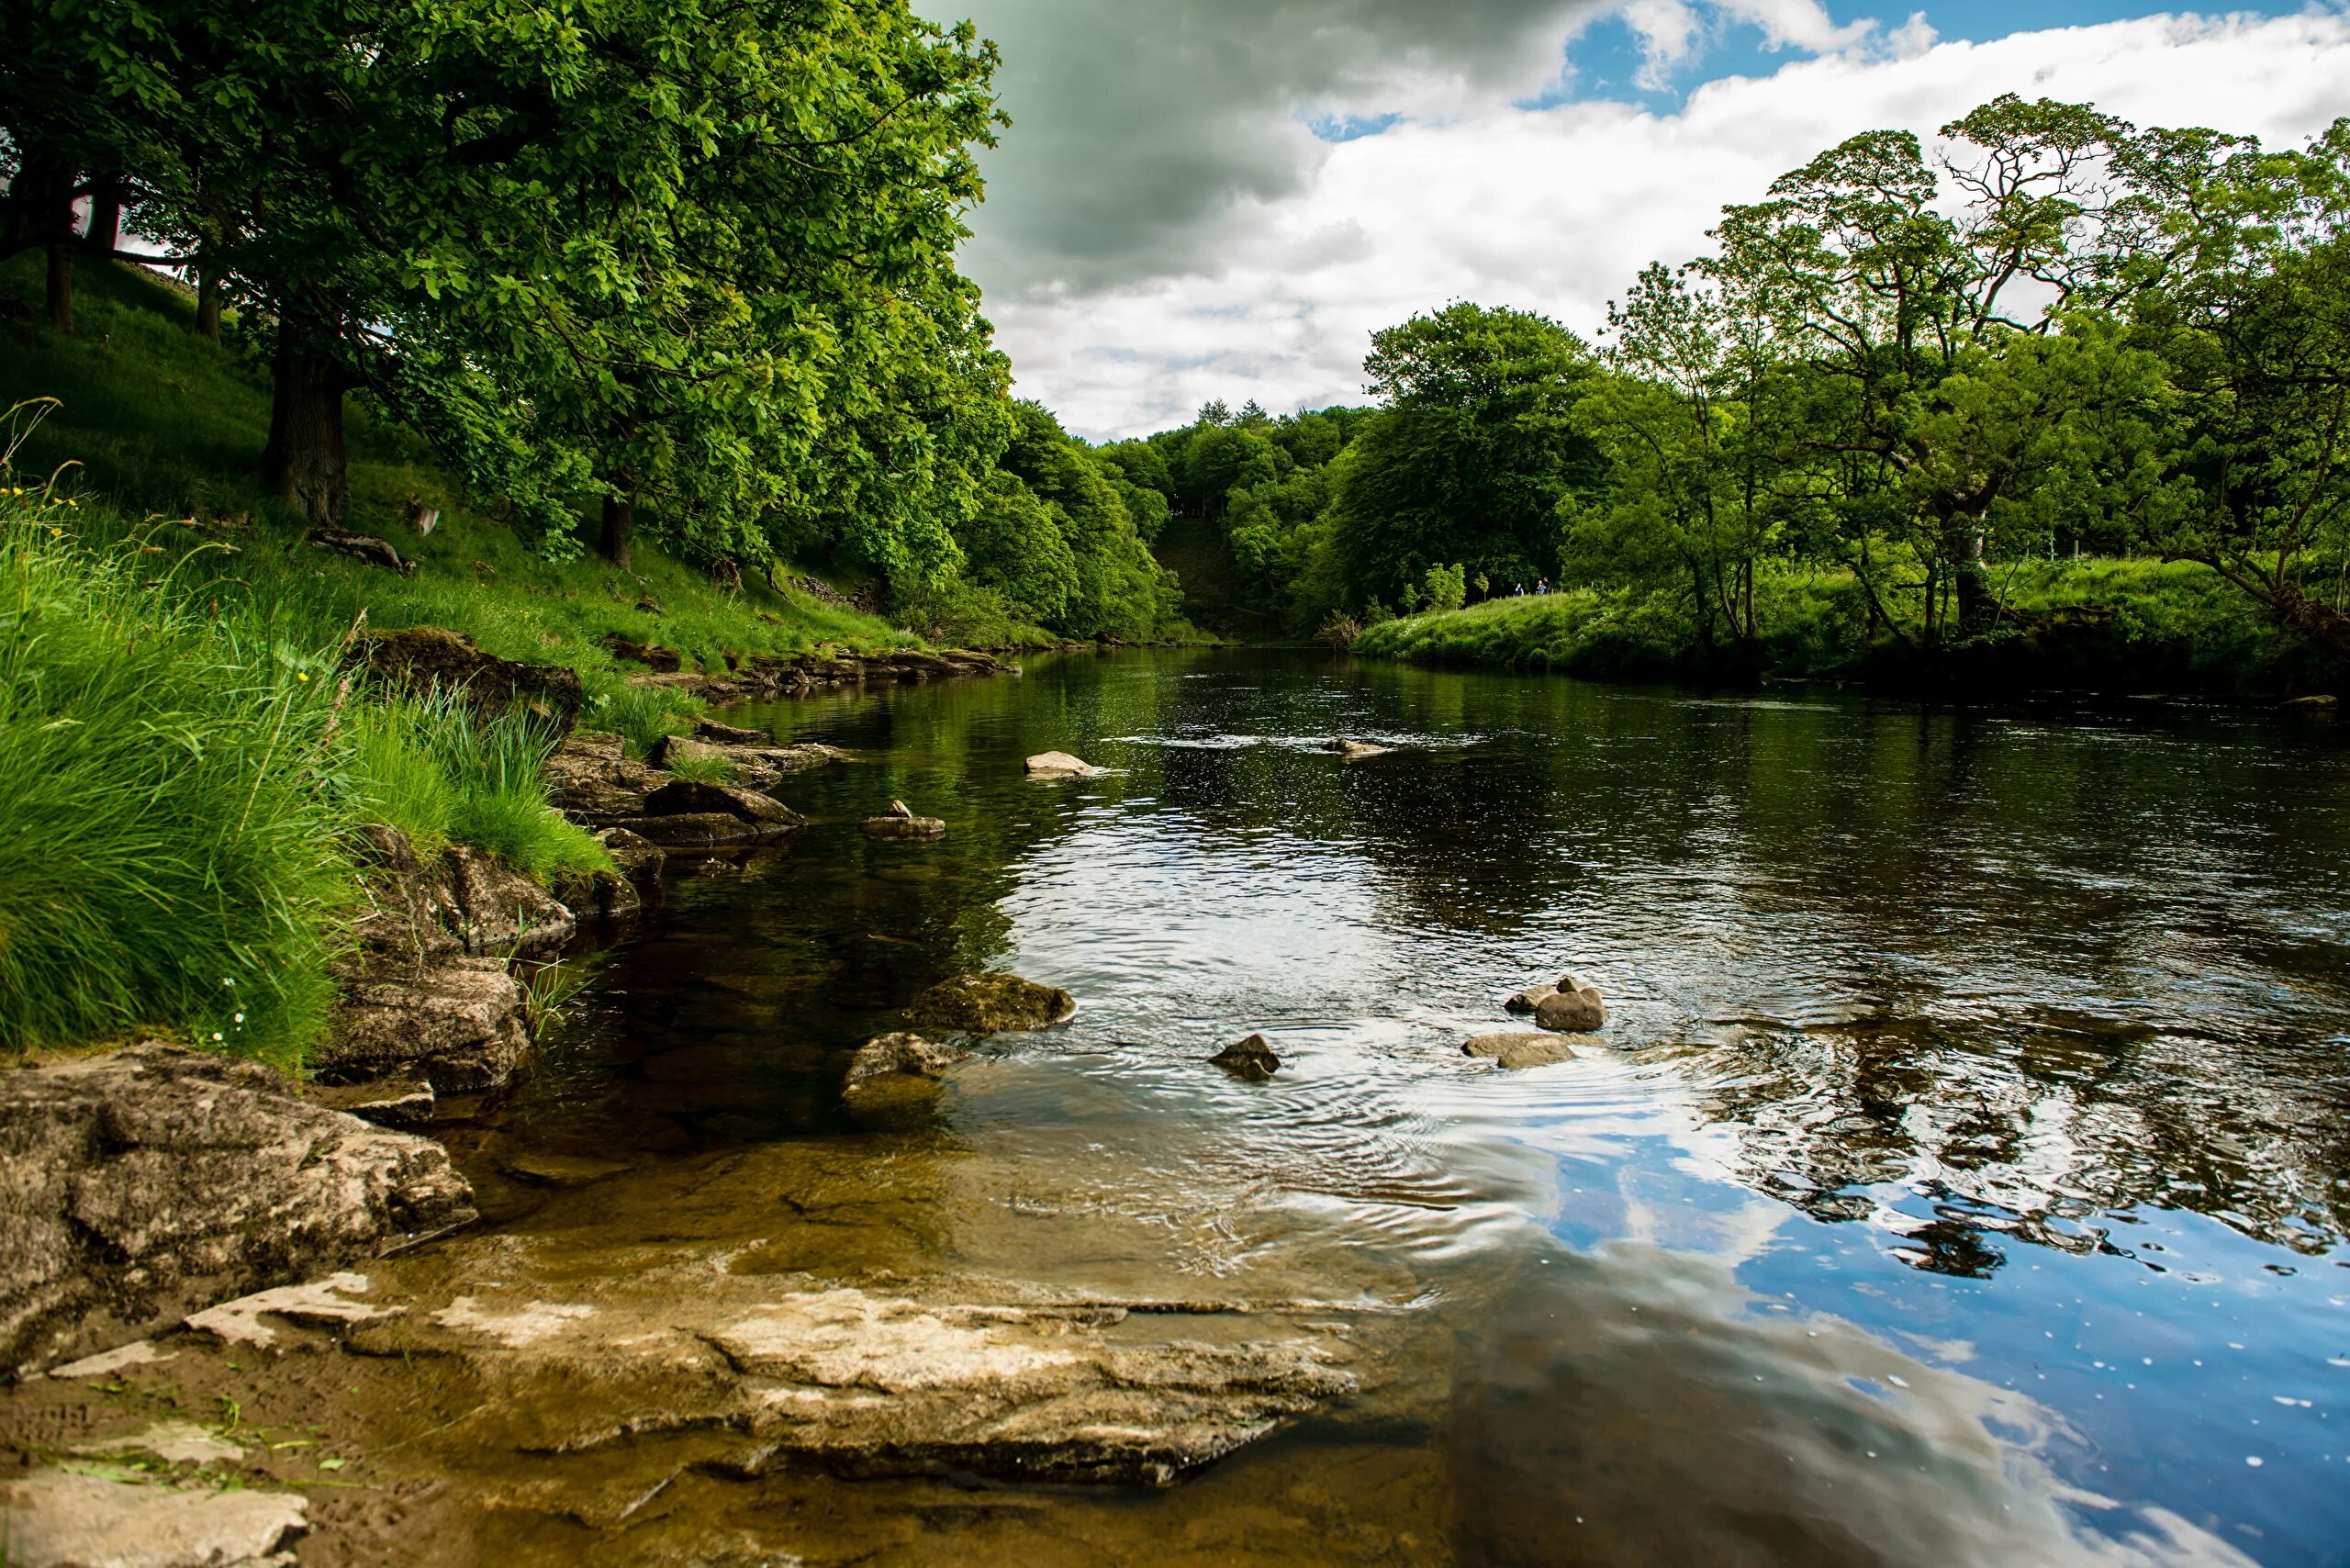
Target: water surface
x: 1964, y: 1179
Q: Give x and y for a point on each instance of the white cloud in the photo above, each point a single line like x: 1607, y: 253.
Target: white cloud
x: 1556, y: 209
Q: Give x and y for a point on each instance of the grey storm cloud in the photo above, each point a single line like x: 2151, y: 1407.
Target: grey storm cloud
x: 1141, y: 126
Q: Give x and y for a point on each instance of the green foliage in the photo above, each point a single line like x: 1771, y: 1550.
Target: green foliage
x: 168, y: 832
x: 1443, y: 588
x: 431, y: 765
x: 640, y: 715
x: 704, y: 770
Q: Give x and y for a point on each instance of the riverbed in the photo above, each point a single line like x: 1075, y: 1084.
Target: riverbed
x: 1962, y: 1180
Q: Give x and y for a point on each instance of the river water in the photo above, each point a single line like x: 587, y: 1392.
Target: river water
x: 1963, y: 1179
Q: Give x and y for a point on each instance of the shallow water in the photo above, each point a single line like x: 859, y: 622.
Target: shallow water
x: 1963, y: 1180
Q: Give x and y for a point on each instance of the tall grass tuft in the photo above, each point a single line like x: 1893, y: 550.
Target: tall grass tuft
x: 433, y: 766
x: 169, y: 842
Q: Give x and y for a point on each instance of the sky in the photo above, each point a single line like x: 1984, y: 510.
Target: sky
x: 1224, y: 198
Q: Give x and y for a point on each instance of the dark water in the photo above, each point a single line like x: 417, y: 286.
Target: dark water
x: 1966, y: 1179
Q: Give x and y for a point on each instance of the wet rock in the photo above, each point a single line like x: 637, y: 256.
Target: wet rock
x: 152, y: 1182
x: 1529, y: 999
x: 173, y: 1442
x: 2317, y: 702
x: 683, y: 797
x: 1060, y: 765
x: 599, y: 894
x: 899, y: 1055
x: 909, y: 1380
x: 985, y: 1004
x: 559, y: 1170
x: 460, y: 1025
x: 433, y: 656
x: 1351, y: 750
x: 708, y: 829
x: 403, y: 1100
x: 56, y: 1519
x: 501, y: 912
x: 591, y: 777
x: 639, y: 858
x: 1570, y: 1009
x: 729, y: 734
x: 899, y: 822
x: 1520, y: 1050
x: 317, y: 1304
x: 111, y: 1364
x: 1252, y: 1058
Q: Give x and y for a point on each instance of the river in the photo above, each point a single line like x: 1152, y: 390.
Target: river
x: 1965, y: 1179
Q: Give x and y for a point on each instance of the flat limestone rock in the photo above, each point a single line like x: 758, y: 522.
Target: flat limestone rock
x: 986, y: 1004
x: 318, y: 1301
x: 900, y: 1055
x: 1520, y: 1050
x: 919, y: 829
x: 1060, y: 765
x: 153, y: 1182
x: 1252, y: 1059
x: 60, y: 1520
x: 459, y: 1025
x: 121, y: 1359
x: 175, y: 1442
x: 908, y: 1379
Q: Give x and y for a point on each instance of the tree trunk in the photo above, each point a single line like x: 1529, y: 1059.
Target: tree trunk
x: 1977, y: 604
x: 105, y: 232
x: 60, y: 286
x: 207, y: 305
x: 620, y: 522
x: 305, y: 462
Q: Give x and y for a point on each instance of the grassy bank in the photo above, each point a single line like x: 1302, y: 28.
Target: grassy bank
x: 184, y: 768
x: 2125, y: 626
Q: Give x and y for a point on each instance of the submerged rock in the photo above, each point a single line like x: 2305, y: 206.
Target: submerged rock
x: 1252, y: 1058
x: 900, y: 1055
x: 1520, y: 1050
x: 1351, y: 750
x: 57, y: 1519
x: 986, y: 1004
x: 1060, y: 765
x: 459, y: 1024
x: 153, y: 1181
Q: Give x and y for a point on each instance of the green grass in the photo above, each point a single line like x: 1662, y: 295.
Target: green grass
x: 170, y: 825
x: 2132, y: 626
x: 704, y: 769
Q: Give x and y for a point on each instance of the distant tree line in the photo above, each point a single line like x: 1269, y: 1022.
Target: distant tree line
x: 684, y: 268
x: 2059, y: 334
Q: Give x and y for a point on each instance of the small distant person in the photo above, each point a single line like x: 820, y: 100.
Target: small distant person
x: 1541, y: 586
x: 1517, y: 591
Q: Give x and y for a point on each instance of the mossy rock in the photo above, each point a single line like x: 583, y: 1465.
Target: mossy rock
x: 986, y: 1004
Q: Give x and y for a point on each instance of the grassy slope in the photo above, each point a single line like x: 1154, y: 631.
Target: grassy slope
x: 2114, y: 626
x: 169, y: 426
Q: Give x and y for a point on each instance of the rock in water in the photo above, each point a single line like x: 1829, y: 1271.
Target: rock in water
x: 155, y: 1180
x: 1351, y: 750
x: 986, y: 1004
x: 1529, y: 999
x: 1060, y: 765
x: 899, y: 822
x: 1520, y: 1050
x: 900, y: 1055
x: 1570, y: 1011
x: 1251, y: 1059
x: 460, y: 1024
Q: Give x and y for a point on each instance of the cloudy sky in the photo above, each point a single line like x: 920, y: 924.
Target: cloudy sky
x: 1222, y: 198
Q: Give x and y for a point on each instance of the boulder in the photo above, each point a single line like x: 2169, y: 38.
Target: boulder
x: 1352, y: 750
x: 57, y: 1518
x: 1520, y: 1050
x: 591, y: 777
x: 1060, y: 765
x: 409, y: 921
x: 433, y: 656
x: 639, y: 858
x: 908, y: 827
x: 707, y: 830
x: 1251, y: 1059
x: 599, y: 894
x: 501, y: 912
x: 985, y: 1004
x: 1571, y: 1011
x: 150, y: 1182
x: 684, y: 796
x: 899, y: 1056
x: 460, y: 1025
x: 729, y: 734
x: 677, y: 753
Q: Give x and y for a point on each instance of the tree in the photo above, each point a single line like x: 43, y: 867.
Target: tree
x: 1471, y: 455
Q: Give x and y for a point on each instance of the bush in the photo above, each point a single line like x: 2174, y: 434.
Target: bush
x: 169, y: 840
